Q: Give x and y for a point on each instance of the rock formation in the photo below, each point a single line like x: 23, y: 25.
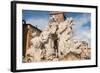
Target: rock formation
x: 55, y: 43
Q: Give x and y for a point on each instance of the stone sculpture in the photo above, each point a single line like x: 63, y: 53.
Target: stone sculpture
x: 55, y: 43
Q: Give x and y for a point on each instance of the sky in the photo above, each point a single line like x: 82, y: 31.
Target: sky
x: 81, y: 28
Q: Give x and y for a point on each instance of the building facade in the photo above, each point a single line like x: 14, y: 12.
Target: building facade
x: 28, y: 29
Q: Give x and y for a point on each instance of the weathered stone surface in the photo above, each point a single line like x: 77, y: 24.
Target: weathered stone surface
x: 55, y: 44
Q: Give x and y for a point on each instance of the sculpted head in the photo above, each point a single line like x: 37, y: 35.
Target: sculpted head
x: 44, y: 36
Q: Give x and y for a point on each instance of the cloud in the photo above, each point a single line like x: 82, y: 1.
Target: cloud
x: 81, y: 20
x: 38, y: 22
x: 83, y: 35
x: 80, y: 31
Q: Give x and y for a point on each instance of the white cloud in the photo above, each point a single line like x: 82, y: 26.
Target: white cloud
x: 39, y: 22
x: 80, y: 32
x: 83, y: 35
x: 81, y: 20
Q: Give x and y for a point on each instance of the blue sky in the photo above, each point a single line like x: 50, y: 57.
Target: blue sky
x: 36, y: 18
x: 81, y: 29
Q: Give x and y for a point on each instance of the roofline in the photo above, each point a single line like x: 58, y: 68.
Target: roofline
x: 33, y: 27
